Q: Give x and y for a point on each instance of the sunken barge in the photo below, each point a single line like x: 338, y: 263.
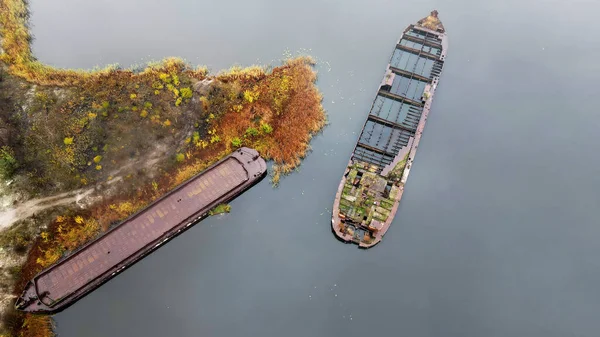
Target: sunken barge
x: 372, y: 185
x: 76, y: 275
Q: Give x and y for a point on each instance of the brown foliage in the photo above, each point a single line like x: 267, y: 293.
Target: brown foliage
x: 36, y: 326
x: 289, y: 89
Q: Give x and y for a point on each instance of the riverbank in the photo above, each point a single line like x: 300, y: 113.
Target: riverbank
x: 148, y: 130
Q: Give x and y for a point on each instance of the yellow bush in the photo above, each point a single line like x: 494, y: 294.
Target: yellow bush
x: 75, y: 236
x: 251, y: 96
x: 189, y: 171
x: 126, y: 208
x: 165, y: 77
x: 186, y: 93
x: 201, y: 144
x: 49, y: 257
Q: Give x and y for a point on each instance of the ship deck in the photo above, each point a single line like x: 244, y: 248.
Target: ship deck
x: 395, y: 123
x: 143, y: 230
x: 398, y: 107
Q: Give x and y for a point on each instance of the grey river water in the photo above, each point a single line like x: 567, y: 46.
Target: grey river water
x: 497, y: 233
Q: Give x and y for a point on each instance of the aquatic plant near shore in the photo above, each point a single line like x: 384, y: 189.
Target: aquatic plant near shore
x: 222, y: 208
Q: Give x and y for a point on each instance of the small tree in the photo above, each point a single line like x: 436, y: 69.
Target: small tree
x: 236, y: 142
x: 266, y: 128
x: 252, y: 132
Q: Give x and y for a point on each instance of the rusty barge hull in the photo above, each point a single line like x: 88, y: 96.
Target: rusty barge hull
x: 87, y: 268
x: 369, y: 193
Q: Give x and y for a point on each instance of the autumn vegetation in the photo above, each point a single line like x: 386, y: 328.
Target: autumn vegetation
x: 150, y: 130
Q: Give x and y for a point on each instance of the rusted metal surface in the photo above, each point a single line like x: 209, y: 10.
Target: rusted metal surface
x: 419, y: 56
x: 74, y: 276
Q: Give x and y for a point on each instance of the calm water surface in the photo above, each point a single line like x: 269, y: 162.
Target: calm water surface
x: 497, y: 233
